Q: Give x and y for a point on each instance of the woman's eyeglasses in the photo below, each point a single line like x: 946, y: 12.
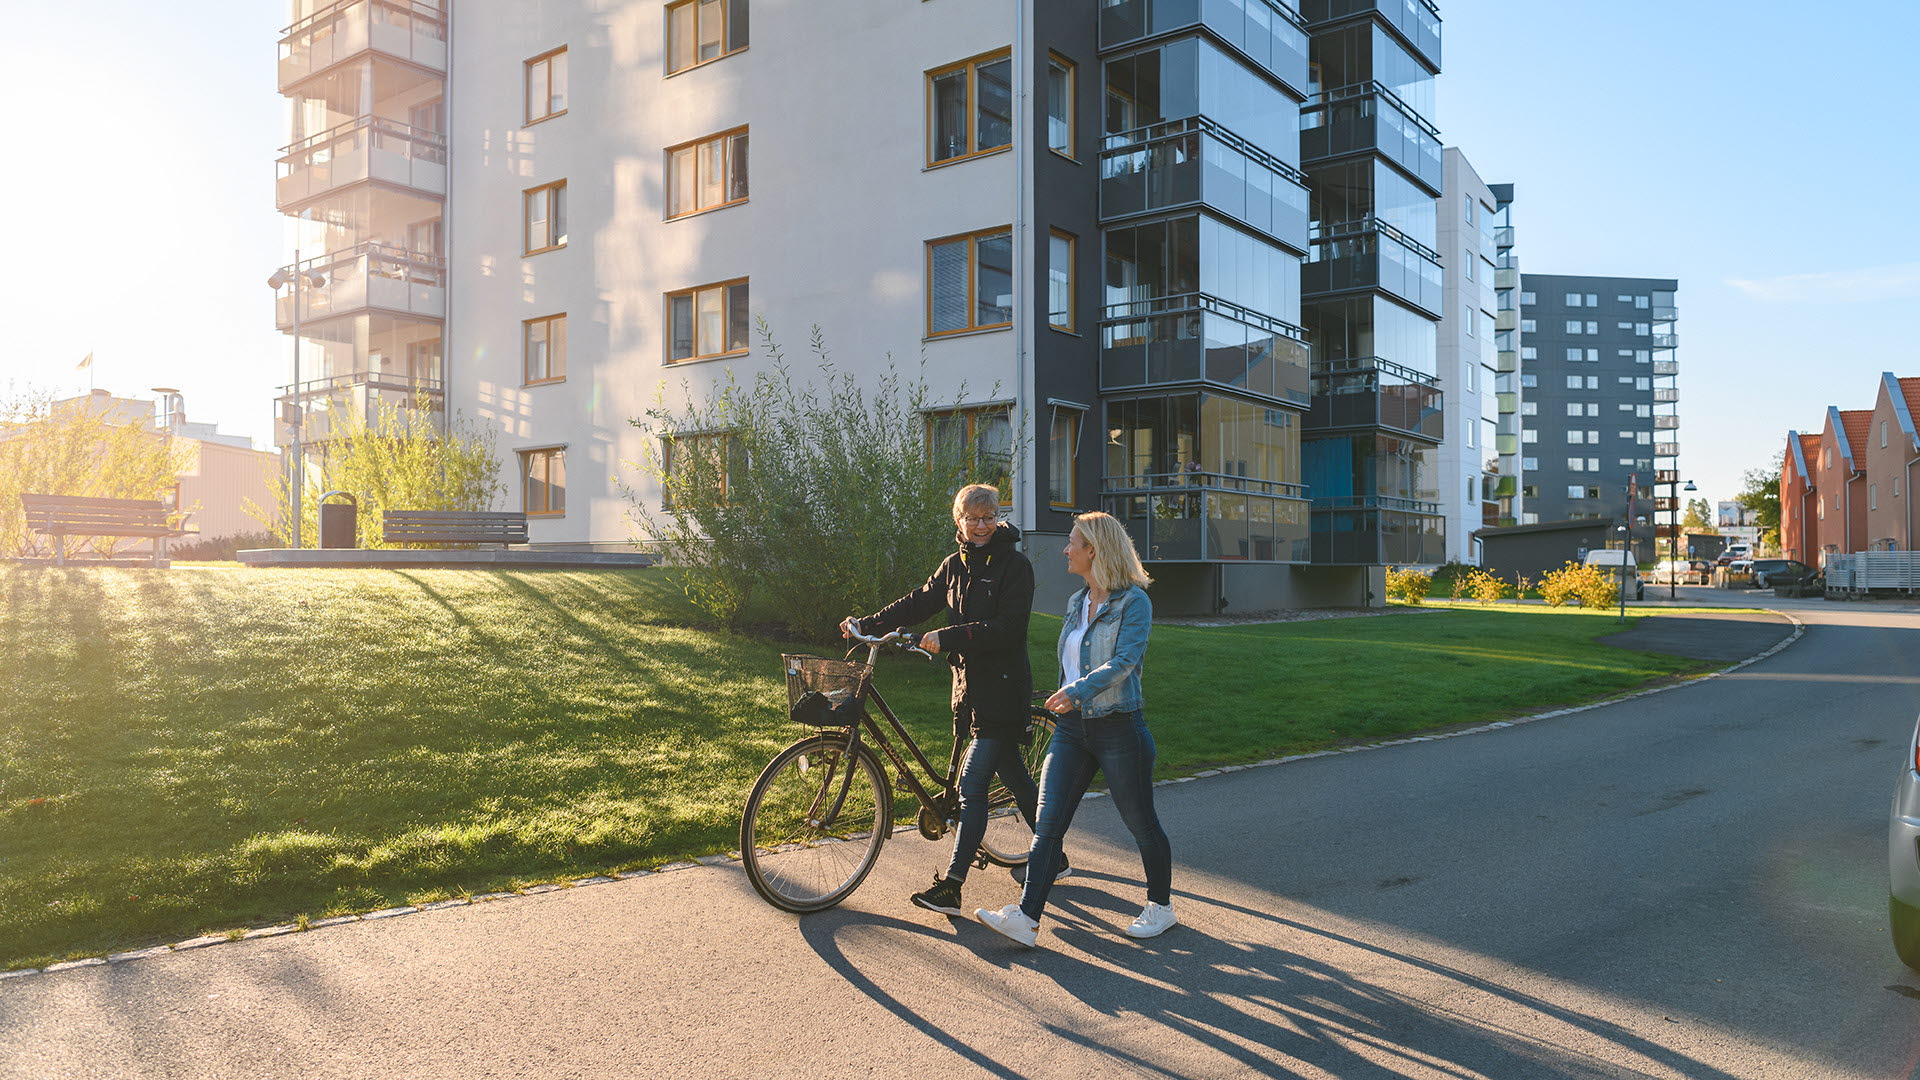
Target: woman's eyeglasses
x: 980, y: 522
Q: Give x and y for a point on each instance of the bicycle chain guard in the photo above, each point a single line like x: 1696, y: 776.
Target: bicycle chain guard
x: 932, y: 825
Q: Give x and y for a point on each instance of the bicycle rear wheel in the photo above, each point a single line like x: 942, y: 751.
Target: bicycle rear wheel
x: 797, y: 859
x: 1009, y: 836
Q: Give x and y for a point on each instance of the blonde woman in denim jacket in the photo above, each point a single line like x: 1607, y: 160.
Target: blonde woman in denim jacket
x: 1100, y: 728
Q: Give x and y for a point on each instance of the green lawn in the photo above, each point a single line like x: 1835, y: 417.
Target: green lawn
x: 206, y: 748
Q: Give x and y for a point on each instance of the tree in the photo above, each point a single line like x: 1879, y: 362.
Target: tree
x: 1698, y: 518
x: 77, y: 448
x: 812, y: 501
x: 1761, y: 494
x: 395, y: 459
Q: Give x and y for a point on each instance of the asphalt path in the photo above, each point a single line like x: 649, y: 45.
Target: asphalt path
x: 1687, y: 884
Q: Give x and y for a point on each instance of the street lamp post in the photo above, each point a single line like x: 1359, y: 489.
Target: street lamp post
x: 1673, y: 538
x: 280, y: 279
x: 1626, y: 552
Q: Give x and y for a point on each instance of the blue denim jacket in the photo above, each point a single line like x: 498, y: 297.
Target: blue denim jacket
x: 1111, y: 653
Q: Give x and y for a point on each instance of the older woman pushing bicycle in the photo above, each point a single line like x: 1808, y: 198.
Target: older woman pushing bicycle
x: 1099, y: 726
x: 986, y: 590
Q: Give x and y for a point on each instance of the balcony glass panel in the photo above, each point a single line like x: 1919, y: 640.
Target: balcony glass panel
x: 1375, y: 532
x: 1666, y: 367
x: 415, y: 32
x: 1268, y: 33
x: 1371, y: 392
x: 1506, y: 278
x: 369, y: 276
x: 1183, y: 162
x: 1666, y: 393
x: 1665, y: 423
x: 369, y: 148
x: 1666, y: 449
x: 1666, y: 341
x: 1507, y: 445
x: 1367, y: 117
x: 1507, y: 361
x: 1200, y: 338
x: 1416, y: 20
x: 1193, y: 518
x: 1372, y: 254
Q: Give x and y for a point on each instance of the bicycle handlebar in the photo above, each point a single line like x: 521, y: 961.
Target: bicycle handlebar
x: 898, y: 639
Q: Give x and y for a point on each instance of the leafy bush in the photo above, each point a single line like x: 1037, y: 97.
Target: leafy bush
x: 79, y: 448
x: 1580, y: 583
x: 1449, y: 576
x: 810, y: 501
x: 1485, y: 587
x: 1408, y: 586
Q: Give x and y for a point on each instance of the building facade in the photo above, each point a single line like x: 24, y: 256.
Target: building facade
x: 1599, y: 400
x: 1469, y: 459
x: 1800, y: 516
x: 1089, y: 220
x: 1841, y: 480
x: 1893, y: 448
x: 1507, y: 343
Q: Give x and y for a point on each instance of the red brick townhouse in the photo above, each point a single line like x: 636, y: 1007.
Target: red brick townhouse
x: 1840, y: 482
x: 1799, y: 499
x: 1893, y: 449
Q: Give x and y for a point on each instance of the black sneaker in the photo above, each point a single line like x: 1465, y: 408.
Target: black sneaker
x: 1066, y: 870
x: 942, y: 896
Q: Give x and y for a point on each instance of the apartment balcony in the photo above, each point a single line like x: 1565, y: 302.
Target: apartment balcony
x: 1665, y: 313
x: 406, y: 30
x: 1506, y: 445
x: 1666, y: 449
x: 1665, y: 423
x: 1506, y: 278
x: 1665, y: 504
x: 1369, y: 392
x: 1369, y: 118
x: 1506, y: 487
x: 334, y: 406
x: 1210, y: 517
x: 1199, y: 339
x: 1416, y: 21
x: 1507, y: 403
x: 1506, y: 361
x: 1506, y: 319
x: 369, y: 277
x: 1666, y: 367
x: 1666, y: 476
x: 367, y: 148
x: 1196, y: 162
x: 1371, y: 254
x: 1666, y: 393
x: 1267, y: 32
x: 1375, y: 530
x: 1503, y: 238
x: 1666, y: 341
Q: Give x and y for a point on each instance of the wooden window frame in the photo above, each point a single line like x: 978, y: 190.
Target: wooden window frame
x: 726, y: 35
x: 527, y: 455
x: 693, y: 292
x: 526, y: 217
x: 973, y: 281
x: 526, y: 86
x: 973, y: 413
x: 726, y: 158
x: 1073, y: 258
x: 1079, y: 417
x: 727, y: 451
x: 971, y: 66
x: 1071, y: 153
x: 526, y: 349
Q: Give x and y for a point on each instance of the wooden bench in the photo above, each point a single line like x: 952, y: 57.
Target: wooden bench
x: 501, y: 527
x: 62, y: 516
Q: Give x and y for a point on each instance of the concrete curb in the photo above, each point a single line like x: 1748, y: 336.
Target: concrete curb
x: 115, y: 959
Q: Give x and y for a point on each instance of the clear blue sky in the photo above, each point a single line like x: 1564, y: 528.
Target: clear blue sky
x: 1763, y: 153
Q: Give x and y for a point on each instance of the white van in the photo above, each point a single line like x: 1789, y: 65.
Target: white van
x: 1611, y: 560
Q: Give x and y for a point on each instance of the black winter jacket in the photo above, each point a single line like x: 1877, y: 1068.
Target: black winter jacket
x: 987, y: 593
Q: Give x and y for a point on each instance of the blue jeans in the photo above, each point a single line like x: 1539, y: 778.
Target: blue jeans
x: 1120, y: 747
x: 987, y: 755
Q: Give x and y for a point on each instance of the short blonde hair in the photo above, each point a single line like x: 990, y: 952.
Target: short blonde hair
x: 1116, y: 565
x: 975, y: 495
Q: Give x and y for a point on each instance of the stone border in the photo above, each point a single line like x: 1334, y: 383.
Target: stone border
x: 1799, y: 631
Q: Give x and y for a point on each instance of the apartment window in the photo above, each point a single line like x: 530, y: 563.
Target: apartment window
x: 1627, y: 462
x: 1528, y: 382
x: 984, y: 436
x: 1593, y: 382
x: 1642, y: 329
x: 1573, y: 356
x: 1574, y: 409
x: 1592, y: 300
x: 544, y: 344
x: 1529, y: 408
x: 1593, y: 356
x: 1644, y: 438
x: 546, y: 211
x: 1529, y: 464
x: 1059, y: 105
x: 1574, y: 382
x: 707, y: 174
x: 1575, y: 464
x: 970, y: 282
x: 1639, y: 301
x: 708, y: 321
x: 1593, y: 439
x: 1526, y: 326
x: 1528, y: 352
x: 1873, y: 496
x: 1573, y: 299
x: 547, y: 85
x: 1593, y: 327
x: 699, y: 31
x: 1643, y: 383
x: 1063, y: 457
x: 543, y: 481
x: 1896, y: 487
x: 1576, y: 491
x: 1627, y: 326
x: 1883, y: 433
x: 1471, y: 444
x: 1820, y: 505
x: 1576, y: 438
x: 1530, y: 436
x: 704, y: 466
x: 1527, y: 299
x: 1060, y: 249
x: 1642, y: 356
x: 1626, y: 354
x: 970, y: 107
x: 1593, y: 408
x: 1643, y: 410
x: 1627, y: 435
x: 1573, y: 327
x: 1467, y: 260
x: 1623, y: 299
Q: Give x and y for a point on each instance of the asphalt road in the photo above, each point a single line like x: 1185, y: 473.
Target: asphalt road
x: 1690, y: 884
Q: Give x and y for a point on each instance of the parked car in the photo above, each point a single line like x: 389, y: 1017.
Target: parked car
x: 1682, y: 572
x: 1734, y: 552
x: 1741, y: 566
x: 1903, y: 858
x: 1768, y: 573
x: 1611, y: 560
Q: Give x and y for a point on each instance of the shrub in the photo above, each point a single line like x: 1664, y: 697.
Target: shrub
x: 1449, y: 576
x: 1579, y: 583
x: 1407, y: 586
x: 77, y: 448
x: 1485, y: 587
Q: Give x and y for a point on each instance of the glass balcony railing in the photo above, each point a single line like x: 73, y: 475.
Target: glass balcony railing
x: 1665, y: 314
x: 1506, y: 445
x: 1506, y: 360
x: 1665, y: 423
x: 1508, y: 319
x: 404, y: 29
x: 367, y: 148
x: 328, y: 406
x: 1667, y: 476
x: 1666, y: 393
x: 1210, y: 517
x: 1195, y: 338
x: 1371, y: 254
x: 1417, y: 21
x: 1666, y: 367
x: 369, y: 276
x: 1197, y: 162
x: 1368, y: 117
x: 1506, y: 487
x: 1506, y: 278
x: 1666, y: 341
x: 1371, y: 392
x: 1507, y: 402
x: 1666, y: 449
x: 1375, y: 530
x: 1503, y: 238
x: 1268, y: 33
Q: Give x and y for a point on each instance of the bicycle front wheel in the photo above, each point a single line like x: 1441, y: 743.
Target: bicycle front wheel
x: 1009, y: 836
x: 814, y: 823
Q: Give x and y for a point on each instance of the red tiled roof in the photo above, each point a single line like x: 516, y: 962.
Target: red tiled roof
x: 1910, y: 389
x: 1856, y: 423
x: 1809, y: 455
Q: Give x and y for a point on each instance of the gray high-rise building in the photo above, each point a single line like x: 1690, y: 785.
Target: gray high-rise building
x: 1598, y: 400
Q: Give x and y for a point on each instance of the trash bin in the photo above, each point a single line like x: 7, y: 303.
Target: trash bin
x: 339, y: 522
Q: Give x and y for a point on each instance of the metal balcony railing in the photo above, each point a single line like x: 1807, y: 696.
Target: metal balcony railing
x: 1666, y: 449
x: 1370, y: 117
x: 1373, y: 392
x: 1666, y: 367
x: 1198, y: 338
x: 1195, y: 161
x: 1197, y: 516
x: 1666, y: 341
x: 364, y: 148
x: 1371, y: 253
x: 408, y: 30
x: 1665, y: 423
x: 368, y: 276
x: 1269, y: 33
x: 1416, y: 21
x: 1666, y: 393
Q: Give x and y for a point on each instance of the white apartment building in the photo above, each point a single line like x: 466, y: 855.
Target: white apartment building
x: 1468, y: 461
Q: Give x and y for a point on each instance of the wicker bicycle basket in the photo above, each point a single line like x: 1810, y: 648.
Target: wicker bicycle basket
x: 841, y: 681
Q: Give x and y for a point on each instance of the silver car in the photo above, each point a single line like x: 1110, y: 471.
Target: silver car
x: 1903, y: 859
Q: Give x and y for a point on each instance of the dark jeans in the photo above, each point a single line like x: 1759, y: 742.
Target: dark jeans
x: 1120, y: 747
x: 987, y: 755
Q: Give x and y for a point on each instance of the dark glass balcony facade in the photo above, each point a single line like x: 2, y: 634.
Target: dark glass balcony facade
x: 1183, y: 163
x: 1370, y: 254
x: 1188, y: 519
x: 1269, y: 34
x: 1376, y: 531
x: 1200, y: 339
x: 1368, y: 392
x: 1416, y: 21
x: 1369, y: 118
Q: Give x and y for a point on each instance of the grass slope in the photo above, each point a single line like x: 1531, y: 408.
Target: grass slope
x: 190, y: 751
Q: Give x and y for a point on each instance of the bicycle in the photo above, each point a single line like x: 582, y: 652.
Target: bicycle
x: 816, y: 819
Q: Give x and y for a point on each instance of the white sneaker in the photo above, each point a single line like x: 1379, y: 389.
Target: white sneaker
x: 1154, y: 920
x: 1012, y: 922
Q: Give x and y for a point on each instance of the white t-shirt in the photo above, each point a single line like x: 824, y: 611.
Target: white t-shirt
x: 1071, y: 673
